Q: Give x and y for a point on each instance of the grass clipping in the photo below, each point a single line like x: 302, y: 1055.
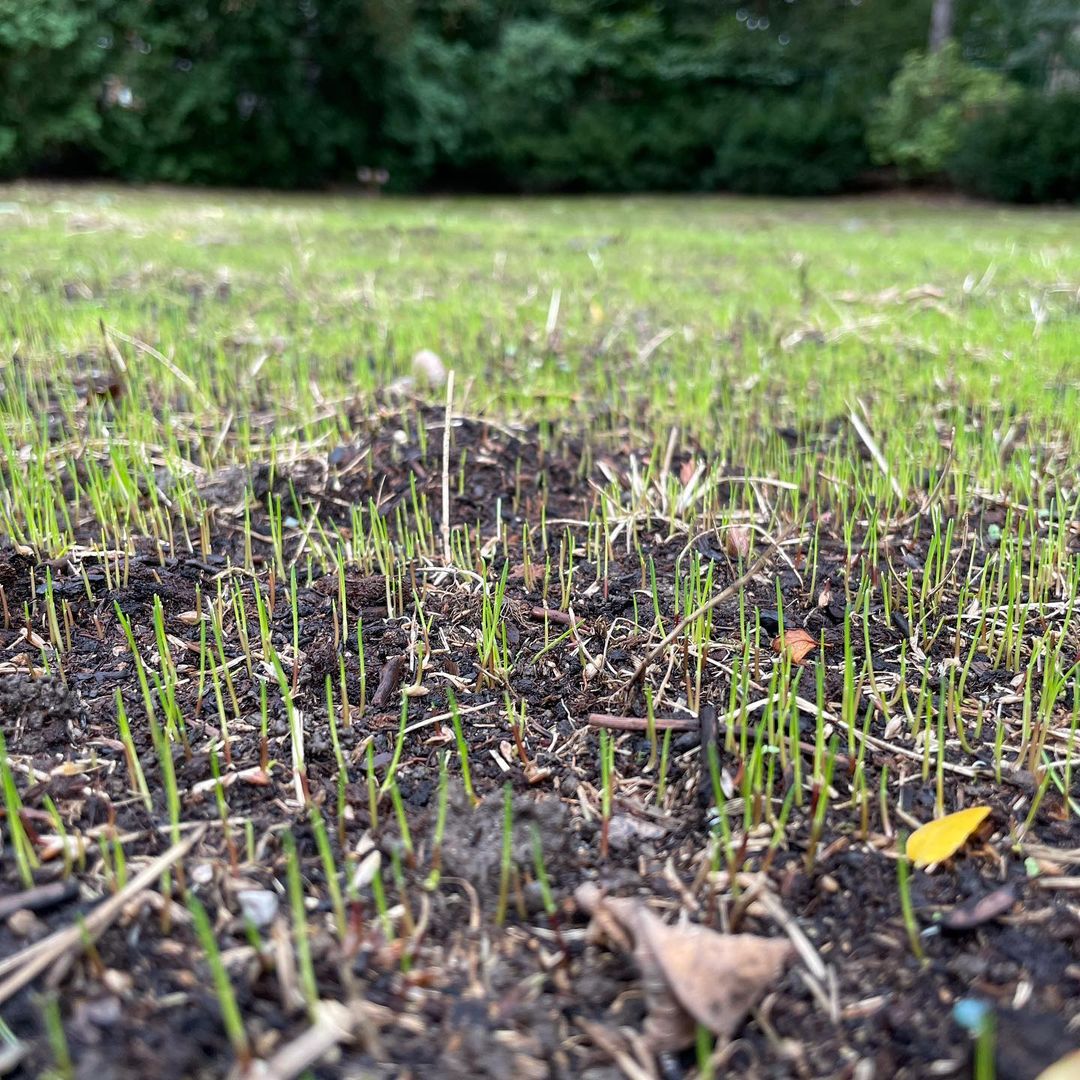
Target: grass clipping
x: 690, y: 974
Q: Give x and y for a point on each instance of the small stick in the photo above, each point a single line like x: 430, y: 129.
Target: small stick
x: 807, y: 953
x: 608, y: 1041
x: 721, y: 727
x: 335, y: 1024
x: 39, y: 897
x: 875, y: 452
x: 34, y: 959
x: 561, y: 617
x: 165, y: 362
x: 929, y: 501
x: 640, y: 723
x: 716, y: 601
x: 446, y: 468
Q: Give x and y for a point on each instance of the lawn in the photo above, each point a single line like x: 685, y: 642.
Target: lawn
x: 358, y: 721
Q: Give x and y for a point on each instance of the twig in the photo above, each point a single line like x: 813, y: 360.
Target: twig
x: 715, y: 601
x: 932, y: 498
x: 555, y: 616
x: 875, y: 451
x: 169, y: 366
x: 608, y: 1041
x: 336, y: 1024
x: 803, y: 946
x: 39, y: 897
x: 34, y: 959
x: 719, y: 726
x: 641, y: 723
x: 445, y: 529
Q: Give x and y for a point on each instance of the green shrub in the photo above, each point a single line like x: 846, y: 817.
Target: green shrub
x: 429, y: 115
x: 1025, y: 151
x: 788, y: 146
x: 918, y: 126
x: 228, y: 94
x: 50, y: 74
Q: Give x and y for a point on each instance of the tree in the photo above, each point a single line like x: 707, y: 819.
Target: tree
x: 941, y: 24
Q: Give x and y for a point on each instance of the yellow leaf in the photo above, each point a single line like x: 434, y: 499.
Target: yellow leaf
x: 1068, y: 1068
x: 937, y: 840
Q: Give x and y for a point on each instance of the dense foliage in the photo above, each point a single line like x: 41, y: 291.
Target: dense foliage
x: 930, y: 102
x: 609, y: 95
x: 1025, y: 151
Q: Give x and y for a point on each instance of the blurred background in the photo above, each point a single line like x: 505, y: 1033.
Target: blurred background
x: 762, y: 96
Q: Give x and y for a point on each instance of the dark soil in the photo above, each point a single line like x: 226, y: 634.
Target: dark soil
x: 462, y: 996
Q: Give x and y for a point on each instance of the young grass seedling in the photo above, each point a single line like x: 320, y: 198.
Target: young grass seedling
x: 301, y: 930
x: 230, y: 1010
x: 462, y: 746
x: 607, y: 783
x: 541, y: 872
x: 26, y: 860
x: 442, y: 803
x: 505, y: 862
x: 63, y: 1066
x: 907, y: 909
x: 333, y: 886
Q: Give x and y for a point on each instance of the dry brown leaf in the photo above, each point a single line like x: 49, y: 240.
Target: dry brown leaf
x: 737, y: 541
x: 798, y: 643
x: 690, y: 974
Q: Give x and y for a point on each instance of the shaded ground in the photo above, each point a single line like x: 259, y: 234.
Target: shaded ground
x: 448, y: 991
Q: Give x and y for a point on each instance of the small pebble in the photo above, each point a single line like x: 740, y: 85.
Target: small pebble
x: 25, y: 924
x: 259, y: 906
x: 118, y: 982
x: 101, y: 1012
x: 202, y: 874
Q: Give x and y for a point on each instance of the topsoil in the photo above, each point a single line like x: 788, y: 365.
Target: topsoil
x: 460, y: 995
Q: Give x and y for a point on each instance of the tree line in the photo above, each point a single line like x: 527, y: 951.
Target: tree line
x: 770, y: 96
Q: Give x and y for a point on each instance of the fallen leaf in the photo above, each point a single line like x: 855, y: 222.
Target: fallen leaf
x: 980, y: 909
x: 937, y: 840
x: 690, y: 974
x: 798, y: 643
x: 737, y: 541
x: 1067, y: 1068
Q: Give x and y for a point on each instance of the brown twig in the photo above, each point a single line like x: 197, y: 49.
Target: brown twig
x: 563, y: 618
x: 641, y: 723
